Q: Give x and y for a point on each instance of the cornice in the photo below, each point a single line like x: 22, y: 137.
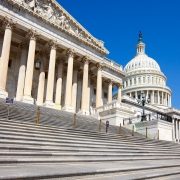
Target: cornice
x: 83, y: 35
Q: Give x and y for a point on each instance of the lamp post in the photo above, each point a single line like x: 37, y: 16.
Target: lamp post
x: 143, y: 101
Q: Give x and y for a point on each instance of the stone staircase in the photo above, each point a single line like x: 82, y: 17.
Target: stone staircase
x: 54, y: 149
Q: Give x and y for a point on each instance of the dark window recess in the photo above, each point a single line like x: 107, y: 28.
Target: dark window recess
x: 94, y: 91
x: 10, y: 63
x: 105, y: 95
x: 46, y: 75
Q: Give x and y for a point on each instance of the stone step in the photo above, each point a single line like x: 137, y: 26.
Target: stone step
x: 32, y: 127
x: 14, y: 139
x: 77, y: 159
x: 153, y: 174
x: 72, y: 131
x: 42, y: 144
x: 37, y: 133
x: 69, y: 170
x: 19, y: 147
x: 82, y: 153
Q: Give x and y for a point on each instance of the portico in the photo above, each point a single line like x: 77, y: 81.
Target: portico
x: 51, y: 67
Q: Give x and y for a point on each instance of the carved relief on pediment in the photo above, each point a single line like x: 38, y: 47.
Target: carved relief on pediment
x: 49, y: 11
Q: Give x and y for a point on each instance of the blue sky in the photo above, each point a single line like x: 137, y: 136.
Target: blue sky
x: 117, y: 23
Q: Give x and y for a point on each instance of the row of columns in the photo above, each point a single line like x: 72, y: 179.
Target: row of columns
x: 156, y: 97
x: 176, y: 129
x: 25, y: 77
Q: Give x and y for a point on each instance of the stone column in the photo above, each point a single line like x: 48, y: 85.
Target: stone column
x: 68, y: 98
x: 4, y: 59
x: 119, y: 97
x: 74, y: 89
x: 41, y: 84
x: 165, y: 99
x: 51, y: 74
x: 170, y: 101
x: 158, y: 97
x: 110, y: 88
x: 30, y: 68
x: 84, y: 104
x: 173, y: 130
x: 99, y: 87
x: 136, y: 95
x: 22, y: 72
x: 59, y: 86
x: 147, y: 94
x: 177, y: 129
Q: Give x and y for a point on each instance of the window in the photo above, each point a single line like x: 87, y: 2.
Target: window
x: 10, y: 63
x: 94, y: 91
x: 105, y: 95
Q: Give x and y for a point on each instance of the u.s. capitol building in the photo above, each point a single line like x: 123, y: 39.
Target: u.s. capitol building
x: 49, y: 59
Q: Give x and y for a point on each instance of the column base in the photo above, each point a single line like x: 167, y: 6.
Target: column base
x: 57, y: 106
x: 29, y: 100
x: 49, y: 104
x: 68, y: 109
x: 3, y: 94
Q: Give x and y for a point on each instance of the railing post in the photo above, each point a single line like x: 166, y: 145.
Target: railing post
x: 133, y: 130
x: 38, y: 115
x: 74, y: 120
x: 100, y: 122
x: 146, y: 133
x: 158, y: 135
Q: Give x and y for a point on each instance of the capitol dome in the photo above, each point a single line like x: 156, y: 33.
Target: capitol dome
x: 142, y: 62
x: 144, y: 75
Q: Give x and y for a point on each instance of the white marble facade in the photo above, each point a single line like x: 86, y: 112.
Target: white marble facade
x: 48, y: 57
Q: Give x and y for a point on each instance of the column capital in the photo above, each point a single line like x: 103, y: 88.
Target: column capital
x: 32, y: 34
x: 70, y: 52
x: 110, y: 82
x: 99, y: 66
x: 8, y: 23
x: 85, y: 60
x: 119, y: 85
x: 53, y: 44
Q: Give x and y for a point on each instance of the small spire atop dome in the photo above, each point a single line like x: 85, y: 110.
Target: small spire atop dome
x: 141, y: 45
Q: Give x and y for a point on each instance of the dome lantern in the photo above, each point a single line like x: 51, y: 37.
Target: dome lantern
x: 141, y: 45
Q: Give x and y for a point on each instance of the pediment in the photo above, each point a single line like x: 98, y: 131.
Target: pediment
x: 55, y: 14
